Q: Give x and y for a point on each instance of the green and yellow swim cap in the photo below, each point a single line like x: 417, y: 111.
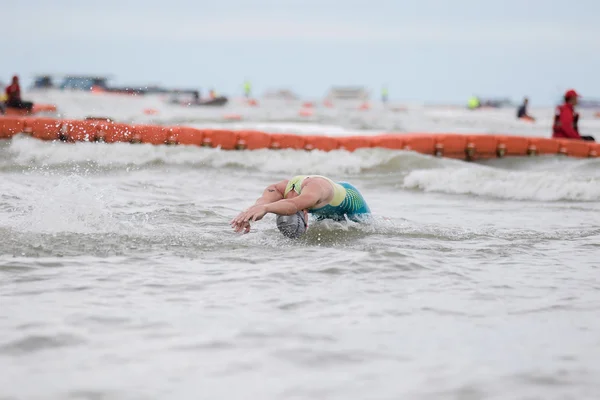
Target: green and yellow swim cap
x: 294, y: 184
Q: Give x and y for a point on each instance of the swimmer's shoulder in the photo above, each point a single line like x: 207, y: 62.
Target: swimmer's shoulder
x: 330, y: 189
x: 320, y: 178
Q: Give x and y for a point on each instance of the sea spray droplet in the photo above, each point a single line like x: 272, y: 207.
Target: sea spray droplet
x: 72, y: 205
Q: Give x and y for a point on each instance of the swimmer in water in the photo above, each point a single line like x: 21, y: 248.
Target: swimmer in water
x: 314, y: 194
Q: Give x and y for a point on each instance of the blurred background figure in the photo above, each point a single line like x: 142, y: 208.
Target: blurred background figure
x: 473, y: 103
x: 384, y: 94
x: 566, y: 119
x: 13, y: 96
x: 247, y: 88
x: 522, y: 111
x: 196, y: 96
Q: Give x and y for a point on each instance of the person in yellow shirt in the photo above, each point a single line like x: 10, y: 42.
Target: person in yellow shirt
x: 384, y: 94
x: 474, y: 103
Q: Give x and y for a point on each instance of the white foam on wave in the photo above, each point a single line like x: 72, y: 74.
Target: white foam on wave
x: 504, y: 184
x: 540, y: 178
x: 34, y: 153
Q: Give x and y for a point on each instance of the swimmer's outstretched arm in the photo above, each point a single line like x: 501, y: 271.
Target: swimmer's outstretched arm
x: 306, y: 200
x: 272, y: 193
x: 310, y: 196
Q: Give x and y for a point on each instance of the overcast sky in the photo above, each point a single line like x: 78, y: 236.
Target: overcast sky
x: 426, y: 50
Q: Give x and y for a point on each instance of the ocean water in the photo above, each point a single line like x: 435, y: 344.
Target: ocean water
x: 120, y: 277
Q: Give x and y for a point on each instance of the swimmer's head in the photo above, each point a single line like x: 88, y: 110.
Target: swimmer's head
x: 292, y: 226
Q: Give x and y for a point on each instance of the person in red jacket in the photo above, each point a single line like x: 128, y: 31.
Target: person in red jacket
x: 566, y: 119
x: 13, y: 96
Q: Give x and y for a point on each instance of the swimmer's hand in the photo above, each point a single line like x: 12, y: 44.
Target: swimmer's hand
x: 242, y: 221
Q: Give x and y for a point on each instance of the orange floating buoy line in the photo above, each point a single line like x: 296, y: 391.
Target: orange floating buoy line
x: 450, y: 145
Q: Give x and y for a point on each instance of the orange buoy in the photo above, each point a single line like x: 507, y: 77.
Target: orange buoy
x: 150, y: 111
x: 43, y: 128
x: 352, y: 143
x: 232, y: 117
x: 513, y: 146
x: 253, y: 140
x: 424, y: 144
x: 575, y: 148
x: 323, y: 143
x: 78, y: 131
x: 390, y: 141
x: 10, y: 126
x: 97, y: 89
x: 223, y: 139
x: 150, y: 134
x: 543, y: 146
x: 111, y: 132
x: 185, y: 136
x: 482, y: 146
x: 451, y: 146
x: 287, y: 141
x: 37, y: 108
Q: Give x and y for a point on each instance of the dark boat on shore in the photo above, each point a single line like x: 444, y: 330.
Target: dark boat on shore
x: 215, y: 102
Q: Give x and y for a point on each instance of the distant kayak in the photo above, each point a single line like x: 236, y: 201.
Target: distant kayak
x: 527, y: 118
x: 37, y: 108
x: 217, y: 101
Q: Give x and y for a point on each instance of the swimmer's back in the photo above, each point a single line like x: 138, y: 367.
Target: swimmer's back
x: 346, y: 200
